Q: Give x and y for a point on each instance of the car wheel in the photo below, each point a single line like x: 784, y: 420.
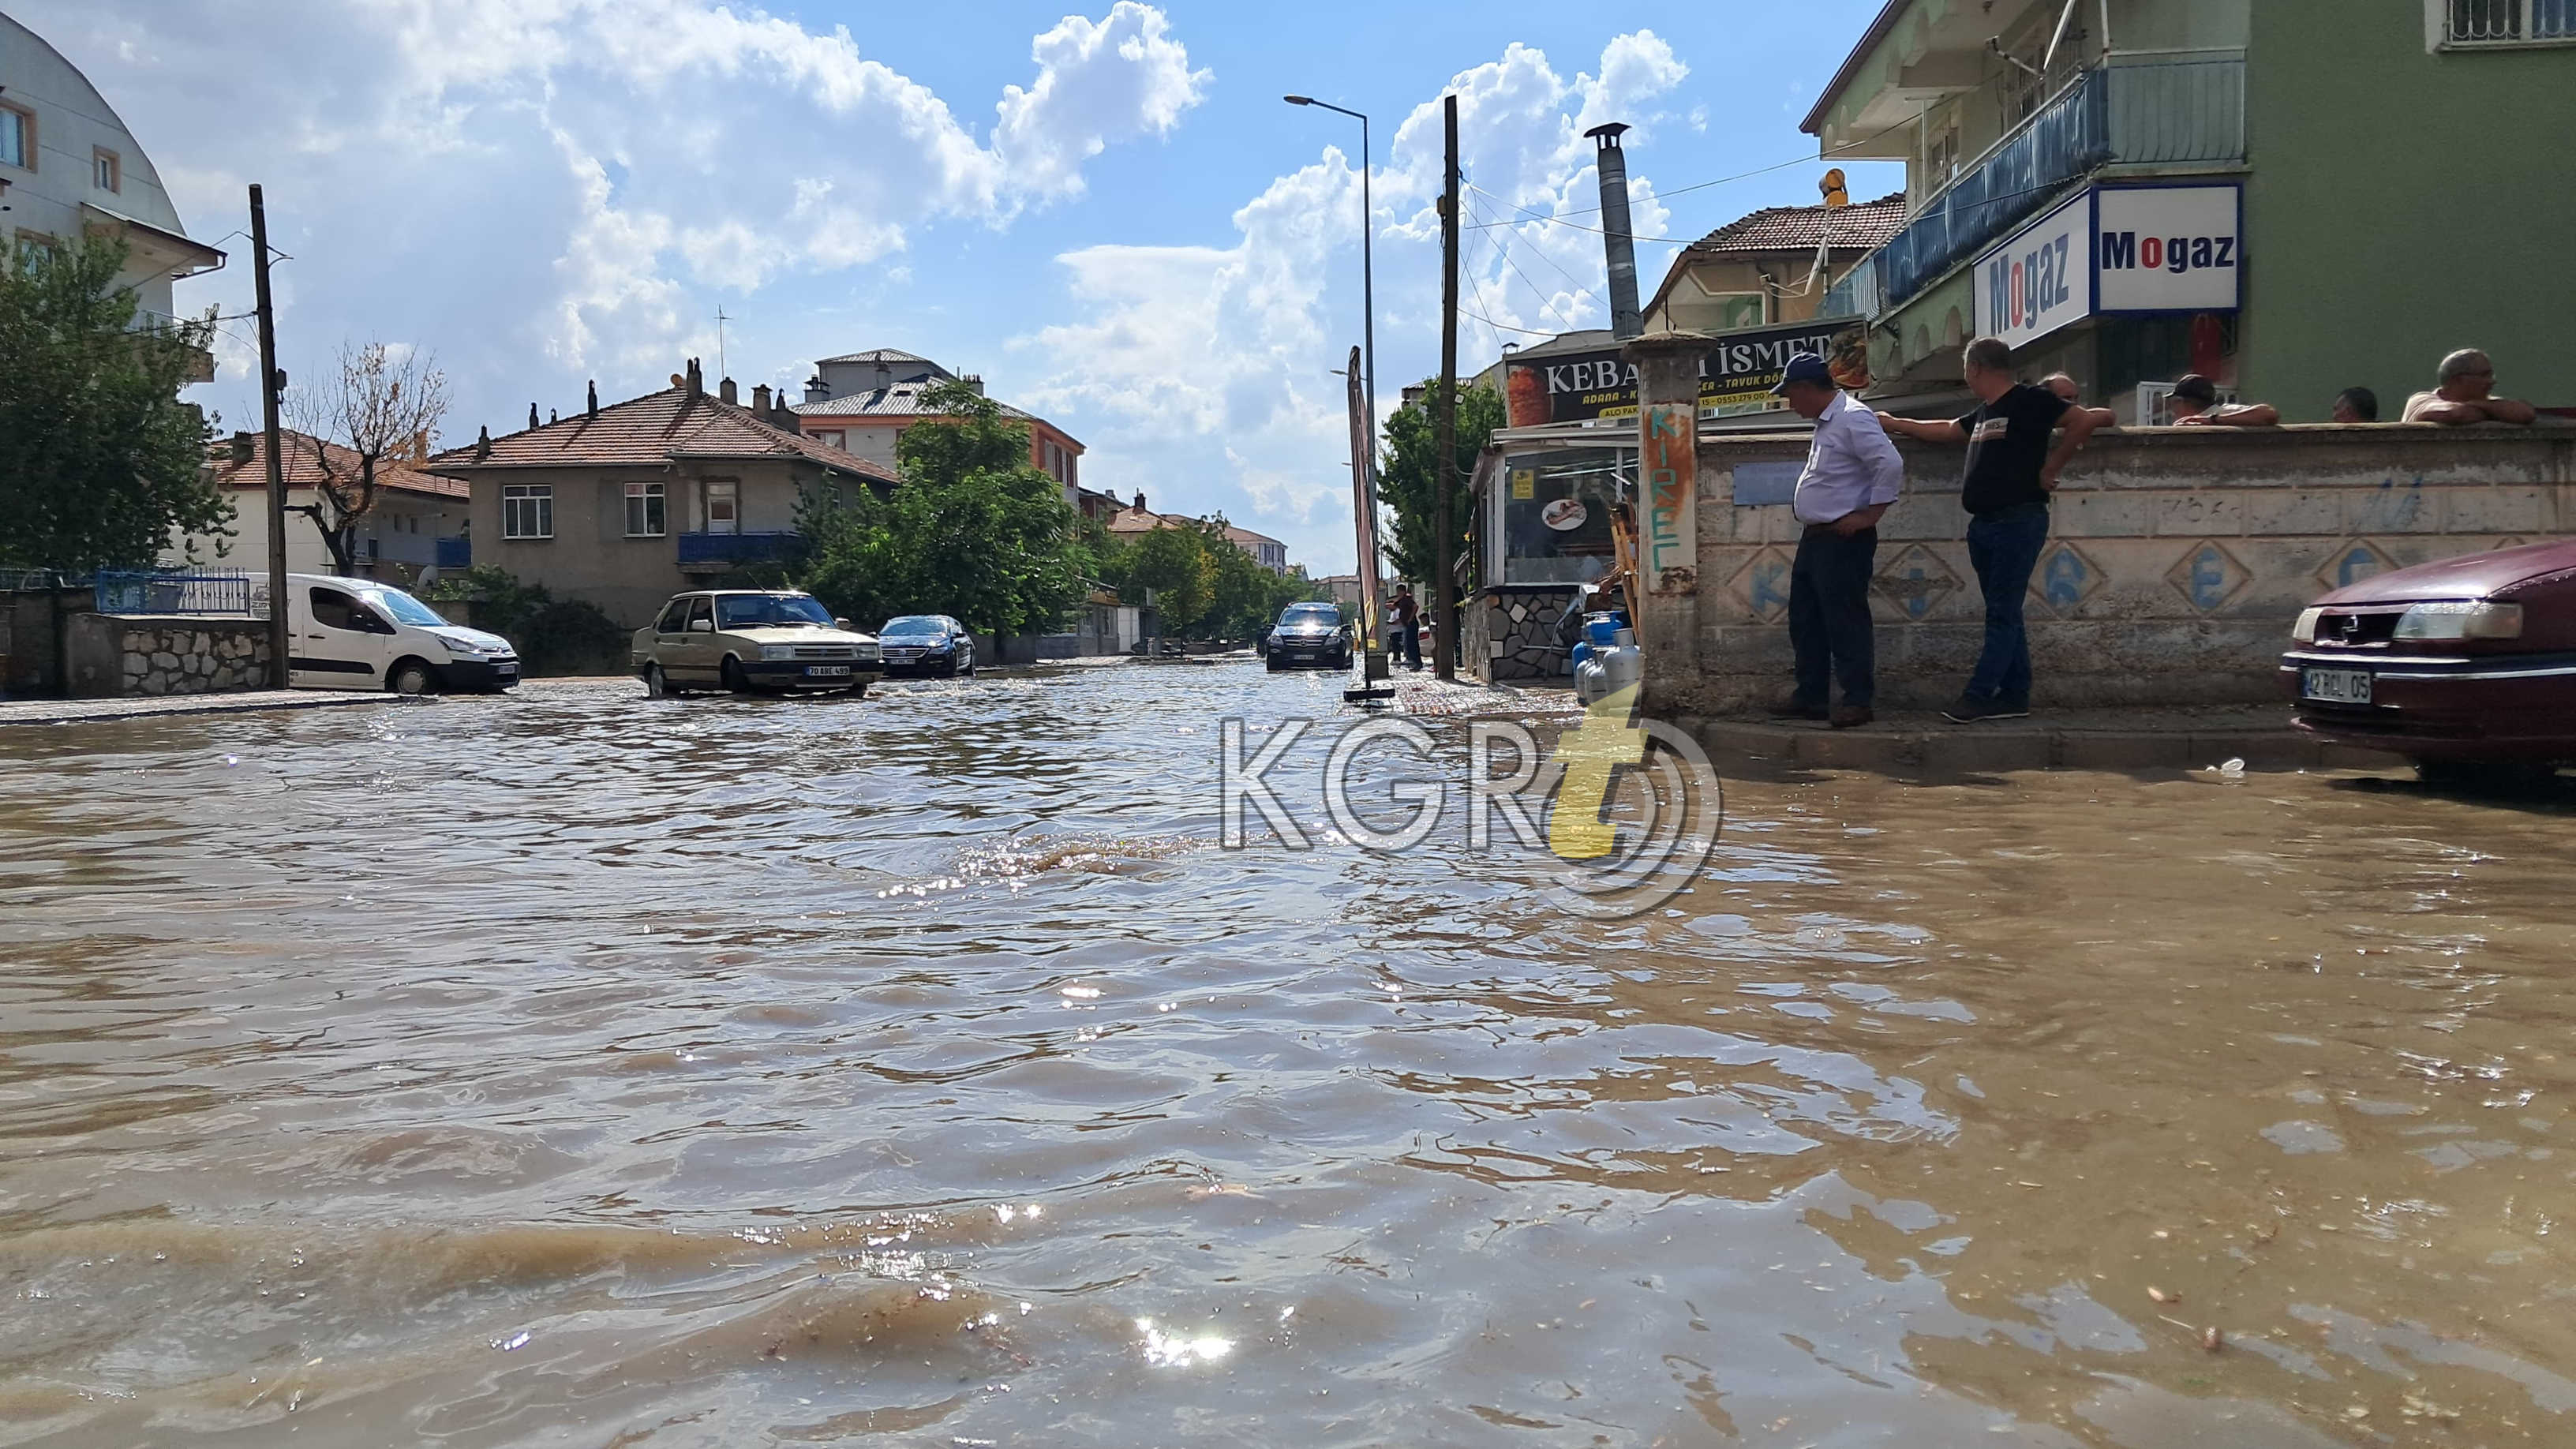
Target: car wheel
x: 856, y: 691
x: 1271, y: 663
x: 657, y: 685
x: 410, y: 677
x: 733, y: 676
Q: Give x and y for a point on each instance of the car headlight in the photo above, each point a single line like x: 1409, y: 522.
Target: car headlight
x: 775, y: 652
x: 869, y: 651
x: 2460, y: 619
x: 2305, y: 631
x: 466, y: 648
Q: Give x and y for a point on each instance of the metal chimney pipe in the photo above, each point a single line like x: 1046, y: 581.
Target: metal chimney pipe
x: 1616, y: 238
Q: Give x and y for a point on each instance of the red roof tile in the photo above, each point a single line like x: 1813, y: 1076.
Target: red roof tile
x: 1861, y: 226
x: 304, y: 470
x: 649, y: 431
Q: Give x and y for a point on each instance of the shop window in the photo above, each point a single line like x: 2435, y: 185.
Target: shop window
x: 1548, y: 515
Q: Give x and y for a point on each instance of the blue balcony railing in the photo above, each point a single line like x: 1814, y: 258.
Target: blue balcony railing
x: 2145, y: 110
x: 455, y: 553
x: 719, y: 548
x: 171, y: 591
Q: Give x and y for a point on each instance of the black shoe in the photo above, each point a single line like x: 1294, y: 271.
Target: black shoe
x: 1852, y: 716
x: 1972, y: 708
x: 1793, y: 707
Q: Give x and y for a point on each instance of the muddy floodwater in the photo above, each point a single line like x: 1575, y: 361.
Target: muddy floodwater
x: 586, y: 1070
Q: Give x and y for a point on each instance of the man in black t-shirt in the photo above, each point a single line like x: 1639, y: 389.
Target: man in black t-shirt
x: 2010, y: 471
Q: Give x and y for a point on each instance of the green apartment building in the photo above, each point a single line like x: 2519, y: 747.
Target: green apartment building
x: 2290, y: 196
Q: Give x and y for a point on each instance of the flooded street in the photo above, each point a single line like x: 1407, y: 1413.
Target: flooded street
x: 580, y: 1069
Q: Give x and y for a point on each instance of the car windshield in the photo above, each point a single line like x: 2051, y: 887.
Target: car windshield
x: 402, y: 608
x: 754, y: 611
x: 1310, y: 616
x: 915, y: 624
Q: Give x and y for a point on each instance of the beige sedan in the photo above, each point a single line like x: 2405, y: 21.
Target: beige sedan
x: 753, y: 640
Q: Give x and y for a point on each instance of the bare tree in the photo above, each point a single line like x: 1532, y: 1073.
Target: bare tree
x: 379, y: 403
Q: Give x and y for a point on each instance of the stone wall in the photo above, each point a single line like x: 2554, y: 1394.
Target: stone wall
x: 1511, y: 633
x: 2178, y: 559
x: 111, y: 655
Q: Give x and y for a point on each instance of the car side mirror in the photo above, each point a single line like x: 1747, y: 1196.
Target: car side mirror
x: 840, y: 623
x: 702, y: 626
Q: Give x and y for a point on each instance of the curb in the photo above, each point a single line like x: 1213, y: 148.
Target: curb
x: 1977, y: 750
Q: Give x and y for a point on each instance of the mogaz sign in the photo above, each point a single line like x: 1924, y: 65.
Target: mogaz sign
x: 2040, y: 278
x: 2167, y: 248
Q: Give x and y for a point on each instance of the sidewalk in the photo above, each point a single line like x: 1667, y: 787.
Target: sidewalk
x: 88, y: 711
x: 1923, y: 743
x: 1427, y: 695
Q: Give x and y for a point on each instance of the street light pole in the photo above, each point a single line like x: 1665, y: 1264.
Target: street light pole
x: 1372, y: 619
x: 1368, y: 274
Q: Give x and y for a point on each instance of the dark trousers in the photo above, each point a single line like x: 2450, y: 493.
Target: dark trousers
x: 1829, y: 623
x: 1404, y: 641
x: 2004, y: 547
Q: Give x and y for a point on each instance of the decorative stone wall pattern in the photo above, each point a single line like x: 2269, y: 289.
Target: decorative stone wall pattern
x: 2178, y: 557
x: 135, y: 655
x: 1512, y: 633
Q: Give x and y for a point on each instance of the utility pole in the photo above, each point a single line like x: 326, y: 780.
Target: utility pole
x: 1444, y: 588
x: 270, y: 382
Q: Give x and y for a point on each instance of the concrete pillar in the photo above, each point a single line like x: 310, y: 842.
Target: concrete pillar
x: 1666, y: 606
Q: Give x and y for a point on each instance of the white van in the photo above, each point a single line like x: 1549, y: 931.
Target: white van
x: 361, y: 634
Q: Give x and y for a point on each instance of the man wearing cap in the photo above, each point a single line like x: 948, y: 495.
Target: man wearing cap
x: 2195, y: 405
x: 1852, y: 476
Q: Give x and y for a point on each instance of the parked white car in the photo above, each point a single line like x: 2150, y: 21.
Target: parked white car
x: 361, y: 634
x: 752, y: 641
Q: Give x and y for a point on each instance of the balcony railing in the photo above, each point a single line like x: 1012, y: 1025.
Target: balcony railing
x: 171, y: 591
x: 455, y: 553
x: 723, y: 548
x: 2185, y: 108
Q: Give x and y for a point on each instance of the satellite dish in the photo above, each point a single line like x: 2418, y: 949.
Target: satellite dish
x: 1836, y: 194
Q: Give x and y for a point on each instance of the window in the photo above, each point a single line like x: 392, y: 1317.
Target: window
x: 723, y: 506
x: 527, y: 510
x: 644, y: 510
x: 702, y: 619
x: 2508, y: 22
x: 675, y: 619
x: 832, y: 440
x: 333, y: 609
x: 105, y: 171
x: 17, y: 138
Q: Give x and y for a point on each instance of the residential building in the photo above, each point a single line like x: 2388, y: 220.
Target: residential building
x: 862, y: 402
x: 1264, y: 550
x: 417, y: 524
x: 69, y: 168
x: 628, y: 504
x: 1774, y: 265
x: 2275, y: 196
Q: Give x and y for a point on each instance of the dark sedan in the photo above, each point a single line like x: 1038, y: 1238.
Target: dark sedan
x: 927, y: 644
x: 2466, y: 666
x: 1310, y: 634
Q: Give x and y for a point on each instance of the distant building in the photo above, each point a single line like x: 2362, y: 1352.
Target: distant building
x: 69, y: 168
x: 862, y: 401
x: 1266, y: 551
x: 1774, y: 265
x: 629, y: 504
x: 418, y: 522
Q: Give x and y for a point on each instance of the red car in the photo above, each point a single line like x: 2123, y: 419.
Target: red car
x: 2466, y: 666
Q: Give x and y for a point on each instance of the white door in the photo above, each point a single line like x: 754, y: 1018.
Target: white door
x: 336, y: 642
x: 724, y: 506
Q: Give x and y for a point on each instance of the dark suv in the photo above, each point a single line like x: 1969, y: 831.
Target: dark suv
x: 1310, y: 634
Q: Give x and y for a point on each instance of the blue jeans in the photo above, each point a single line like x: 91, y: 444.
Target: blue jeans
x: 2003, y: 547
x: 1404, y: 641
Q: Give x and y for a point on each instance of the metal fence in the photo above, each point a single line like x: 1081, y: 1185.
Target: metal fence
x: 2506, y: 22
x: 171, y: 591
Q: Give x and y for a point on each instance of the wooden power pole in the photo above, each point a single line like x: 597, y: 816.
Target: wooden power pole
x: 268, y: 389
x: 1444, y: 586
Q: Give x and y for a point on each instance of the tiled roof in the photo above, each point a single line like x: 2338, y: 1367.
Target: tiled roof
x: 1245, y: 535
x: 888, y: 355
x: 652, y: 430
x: 1137, y: 520
x: 902, y: 400
x: 303, y: 470
x: 1863, y: 226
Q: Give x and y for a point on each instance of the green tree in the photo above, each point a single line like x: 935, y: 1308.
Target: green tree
x: 1176, y: 565
x: 1406, y: 475
x: 973, y: 530
x: 99, y: 460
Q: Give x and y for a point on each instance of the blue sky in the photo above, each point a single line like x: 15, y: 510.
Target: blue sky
x: 1107, y: 212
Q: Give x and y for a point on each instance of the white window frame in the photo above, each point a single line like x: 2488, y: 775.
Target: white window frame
x: 26, y: 120
x: 2501, y: 24
x: 527, y: 511
x: 648, y: 513
x: 107, y: 170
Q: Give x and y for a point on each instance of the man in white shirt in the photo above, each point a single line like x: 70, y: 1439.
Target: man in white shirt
x: 1852, y: 476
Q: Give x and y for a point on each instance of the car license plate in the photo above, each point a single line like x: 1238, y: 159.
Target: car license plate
x: 506, y: 671
x: 827, y: 671
x: 2335, y: 686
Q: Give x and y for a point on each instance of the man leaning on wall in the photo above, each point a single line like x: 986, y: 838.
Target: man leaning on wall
x: 2464, y: 392
x: 2011, y: 470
